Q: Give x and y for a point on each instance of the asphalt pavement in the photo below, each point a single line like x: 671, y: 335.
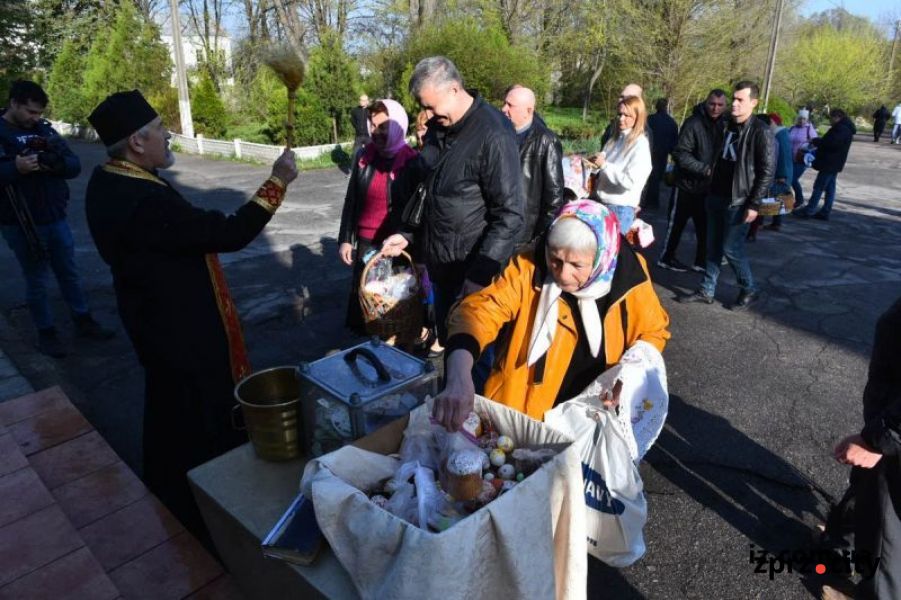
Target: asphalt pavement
x: 758, y: 398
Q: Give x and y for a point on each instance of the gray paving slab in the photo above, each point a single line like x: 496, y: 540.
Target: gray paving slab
x: 759, y: 398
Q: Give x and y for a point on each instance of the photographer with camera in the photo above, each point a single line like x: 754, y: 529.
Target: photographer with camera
x: 35, y: 162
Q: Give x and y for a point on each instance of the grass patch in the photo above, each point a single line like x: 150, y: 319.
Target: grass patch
x: 576, y: 135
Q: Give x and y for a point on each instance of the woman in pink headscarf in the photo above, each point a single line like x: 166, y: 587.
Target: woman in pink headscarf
x: 385, y: 174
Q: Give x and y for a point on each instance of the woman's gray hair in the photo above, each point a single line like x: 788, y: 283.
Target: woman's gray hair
x: 117, y: 150
x: 572, y: 234
x: 436, y: 71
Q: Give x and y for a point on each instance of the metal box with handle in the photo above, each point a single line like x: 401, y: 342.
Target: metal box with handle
x: 352, y: 393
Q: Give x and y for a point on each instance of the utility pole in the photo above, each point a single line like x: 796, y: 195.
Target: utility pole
x: 771, y: 59
x: 181, y: 77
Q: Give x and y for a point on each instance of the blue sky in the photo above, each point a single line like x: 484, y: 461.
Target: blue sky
x: 876, y: 10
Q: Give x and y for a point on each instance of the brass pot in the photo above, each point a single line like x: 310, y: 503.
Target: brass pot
x: 270, y: 403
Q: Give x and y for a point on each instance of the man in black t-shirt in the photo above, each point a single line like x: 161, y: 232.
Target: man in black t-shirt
x: 741, y: 178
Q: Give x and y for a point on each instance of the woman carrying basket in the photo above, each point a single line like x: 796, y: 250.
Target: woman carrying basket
x: 384, y: 175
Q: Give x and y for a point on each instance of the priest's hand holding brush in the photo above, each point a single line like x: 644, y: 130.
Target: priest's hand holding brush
x: 289, y: 65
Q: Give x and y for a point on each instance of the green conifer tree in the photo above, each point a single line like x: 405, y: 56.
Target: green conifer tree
x: 332, y: 77
x: 64, y: 85
x: 128, y: 56
x: 207, y: 109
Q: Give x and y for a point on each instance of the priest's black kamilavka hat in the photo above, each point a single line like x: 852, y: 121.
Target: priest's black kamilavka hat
x: 120, y: 115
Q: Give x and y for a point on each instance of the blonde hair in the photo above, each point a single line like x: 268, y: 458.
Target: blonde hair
x: 422, y: 118
x: 635, y: 105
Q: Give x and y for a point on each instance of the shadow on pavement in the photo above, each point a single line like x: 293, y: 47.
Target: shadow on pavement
x: 811, y: 272
x: 754, y: 490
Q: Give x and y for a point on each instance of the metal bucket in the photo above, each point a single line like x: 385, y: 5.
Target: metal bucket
x: 270, y: 403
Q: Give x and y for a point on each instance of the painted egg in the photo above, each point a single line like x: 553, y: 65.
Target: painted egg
x: 498, y: 457
x: 506, y: 472
x: 505, y: 443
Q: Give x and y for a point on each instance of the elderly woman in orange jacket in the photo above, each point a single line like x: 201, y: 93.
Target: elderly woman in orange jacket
x: 571, y: 307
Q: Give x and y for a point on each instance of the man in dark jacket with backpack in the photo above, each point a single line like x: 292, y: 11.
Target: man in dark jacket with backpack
x: 694, y: 157
x: 831, y: 154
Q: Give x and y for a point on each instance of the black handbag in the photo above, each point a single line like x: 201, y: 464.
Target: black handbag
x: 413, y: 211
x: 415, y: 207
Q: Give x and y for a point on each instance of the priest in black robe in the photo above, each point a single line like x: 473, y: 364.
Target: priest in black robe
x: 171, y: 292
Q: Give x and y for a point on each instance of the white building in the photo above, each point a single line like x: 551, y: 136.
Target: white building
x: 194, y: 53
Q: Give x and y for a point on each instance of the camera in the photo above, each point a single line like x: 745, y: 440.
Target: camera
x: 48, y: 159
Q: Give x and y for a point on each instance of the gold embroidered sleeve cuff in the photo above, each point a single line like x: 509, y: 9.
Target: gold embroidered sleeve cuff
x: 270, y: 194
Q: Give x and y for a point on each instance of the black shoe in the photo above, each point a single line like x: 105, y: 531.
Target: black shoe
x: 698, y: 268
x: 50, y: 344
x: 821, y: 216
x: 698, y: 296
x: 801, y: 212
x: 87, y: 327
x: 745, y: 299
x: 672, y: 264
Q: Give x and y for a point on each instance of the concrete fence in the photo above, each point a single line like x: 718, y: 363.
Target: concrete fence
x: 226, y: 148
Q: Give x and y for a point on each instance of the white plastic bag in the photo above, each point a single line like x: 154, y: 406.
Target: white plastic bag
x: 615, y: 506
x: 643, y: 400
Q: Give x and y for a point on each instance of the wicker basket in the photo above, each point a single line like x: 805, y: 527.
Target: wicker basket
x: 785, y: 201
x: 385, y: 315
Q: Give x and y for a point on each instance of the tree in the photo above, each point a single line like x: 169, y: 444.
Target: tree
x: 207, y: 109
x: 67, y: 103
x: 484, y: 56
x: 128, y: 56
x: 838, y: 68
x: 18, y: 55
x: 56, y: 21
x: 332, y: 78
x: 267, y: 103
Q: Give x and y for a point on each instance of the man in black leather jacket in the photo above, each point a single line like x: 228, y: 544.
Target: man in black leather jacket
x: 474, y: 209
x: 740, y: 179
x: 541, y: 156
x: 693, y: 155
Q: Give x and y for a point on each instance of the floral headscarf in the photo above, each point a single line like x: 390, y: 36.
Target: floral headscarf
x: 605, y: 227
